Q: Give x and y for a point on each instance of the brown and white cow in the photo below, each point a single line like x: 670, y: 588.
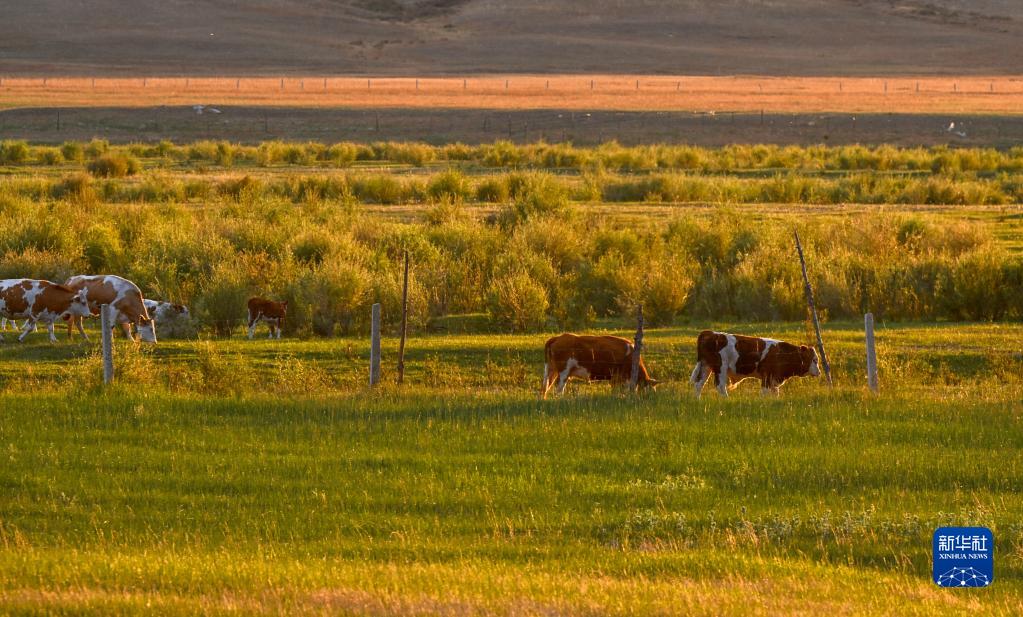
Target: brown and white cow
x: 273, y: 313
x: 592, y: 358
x: 120, y: 293
x: 165, y: 311
x: 734, y: 357
x: 37, y: 300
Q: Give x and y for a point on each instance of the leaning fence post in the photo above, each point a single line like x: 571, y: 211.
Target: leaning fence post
x: 637, y: 349
x: 868, y: 326
x: 374, y: 347
x: 404, y: 324
x: 813, y: 312
x: 106, y: 321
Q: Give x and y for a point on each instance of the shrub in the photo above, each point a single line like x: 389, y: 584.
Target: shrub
x: 97, y: 147
x: 492, y: 190
x: 517, y: 302
x: 50, y: 156
x: 78, y: 186
x: 72, y: 151
x: 222, y: 298
x: 342, y: 154
x: 451, y: 184
x: 13, y: 152
x: 114, y: 166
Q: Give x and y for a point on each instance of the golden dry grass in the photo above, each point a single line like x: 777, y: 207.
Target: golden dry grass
x: 1000, y: 94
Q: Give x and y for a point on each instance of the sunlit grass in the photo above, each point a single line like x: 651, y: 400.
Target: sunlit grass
x: 461, y: 492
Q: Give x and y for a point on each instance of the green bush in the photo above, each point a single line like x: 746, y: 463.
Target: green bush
x: 72, y: 151
x: 114, y: 166
x: 13, y: 152
x: 451, y: 184
x: 518, y: 303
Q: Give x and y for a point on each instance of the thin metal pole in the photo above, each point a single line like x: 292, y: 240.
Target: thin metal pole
x: 374, y: 348
x: 637, y: 349
x: 404, y: 324
x: 813, y: 312
x: 868, y: 326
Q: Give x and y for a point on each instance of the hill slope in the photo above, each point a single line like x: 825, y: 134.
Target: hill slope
x: 487, y: 36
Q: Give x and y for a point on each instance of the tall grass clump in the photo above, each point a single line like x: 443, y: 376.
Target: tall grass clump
x: 114, y: 166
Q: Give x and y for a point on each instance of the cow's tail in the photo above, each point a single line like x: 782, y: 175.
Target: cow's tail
x: 704, y: 345
x: 548, y: 361
x: 694, y: 377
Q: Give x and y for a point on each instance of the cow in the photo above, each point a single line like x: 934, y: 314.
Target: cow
x: 733, y: 358
x: 39, y: 300
x: 273, y: 313
x: 120, y: 293
x: 592, y: 358
x: 165, y: 311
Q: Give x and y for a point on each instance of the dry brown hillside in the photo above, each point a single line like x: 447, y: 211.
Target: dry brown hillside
x: 798, y: 37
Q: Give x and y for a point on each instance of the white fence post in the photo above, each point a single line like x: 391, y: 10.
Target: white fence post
x: 374, y: 348
x: 106, y: 322
x: 868, y: 325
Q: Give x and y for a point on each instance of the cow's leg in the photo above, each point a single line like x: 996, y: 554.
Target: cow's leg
x: 270, y: 323
x: 79, y: 322
x: 565, y: 374
x: 49, y: 330
x: 550, y: 375
x: 722, y: 381
x: 126, y: 327
x: 253, y: 320
x: 26, y: 329
x: 280, y: 328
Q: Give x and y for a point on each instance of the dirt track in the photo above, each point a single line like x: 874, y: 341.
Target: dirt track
x: 945, y: 95
x: 328, y: 124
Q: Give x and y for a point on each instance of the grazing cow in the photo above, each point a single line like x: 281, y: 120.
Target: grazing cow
x: 261, y: 309
x: 733, y: 358
x: 165, y: 311
x: 37, y: 300
x: 593, y: 358
x: 119, y: 293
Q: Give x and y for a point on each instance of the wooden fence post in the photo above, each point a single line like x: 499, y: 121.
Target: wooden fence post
x: 868, y: 326
x: 374, y: 347
x: 106, y: 322
x: 637, y: 349
x: 813, y: 312
x: 404, y: 323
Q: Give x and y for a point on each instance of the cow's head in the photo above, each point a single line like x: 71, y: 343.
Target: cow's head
x: 147, y: 330
x: 809, y: 362
x: 284, y: 306
x: 180, y: 309
x: 78, y: 307
x: 644, y: 380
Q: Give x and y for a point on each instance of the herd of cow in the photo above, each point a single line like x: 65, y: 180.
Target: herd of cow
x: 730, y: 358
x: 39, y: 301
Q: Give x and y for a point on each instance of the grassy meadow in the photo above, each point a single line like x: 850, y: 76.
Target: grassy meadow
x: 219, y: 475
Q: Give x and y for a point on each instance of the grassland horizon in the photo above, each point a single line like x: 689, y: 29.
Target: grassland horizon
x: 995, y: 94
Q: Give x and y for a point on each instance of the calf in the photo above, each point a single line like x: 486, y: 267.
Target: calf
x: 123, y: 295
x: 732, y: 358
x: 261, y: 309
x: 37, y: 300
x: 165, y: 311
x: 593, y: 358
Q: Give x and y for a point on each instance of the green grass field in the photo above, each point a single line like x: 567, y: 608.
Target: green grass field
x: 248, y: 477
